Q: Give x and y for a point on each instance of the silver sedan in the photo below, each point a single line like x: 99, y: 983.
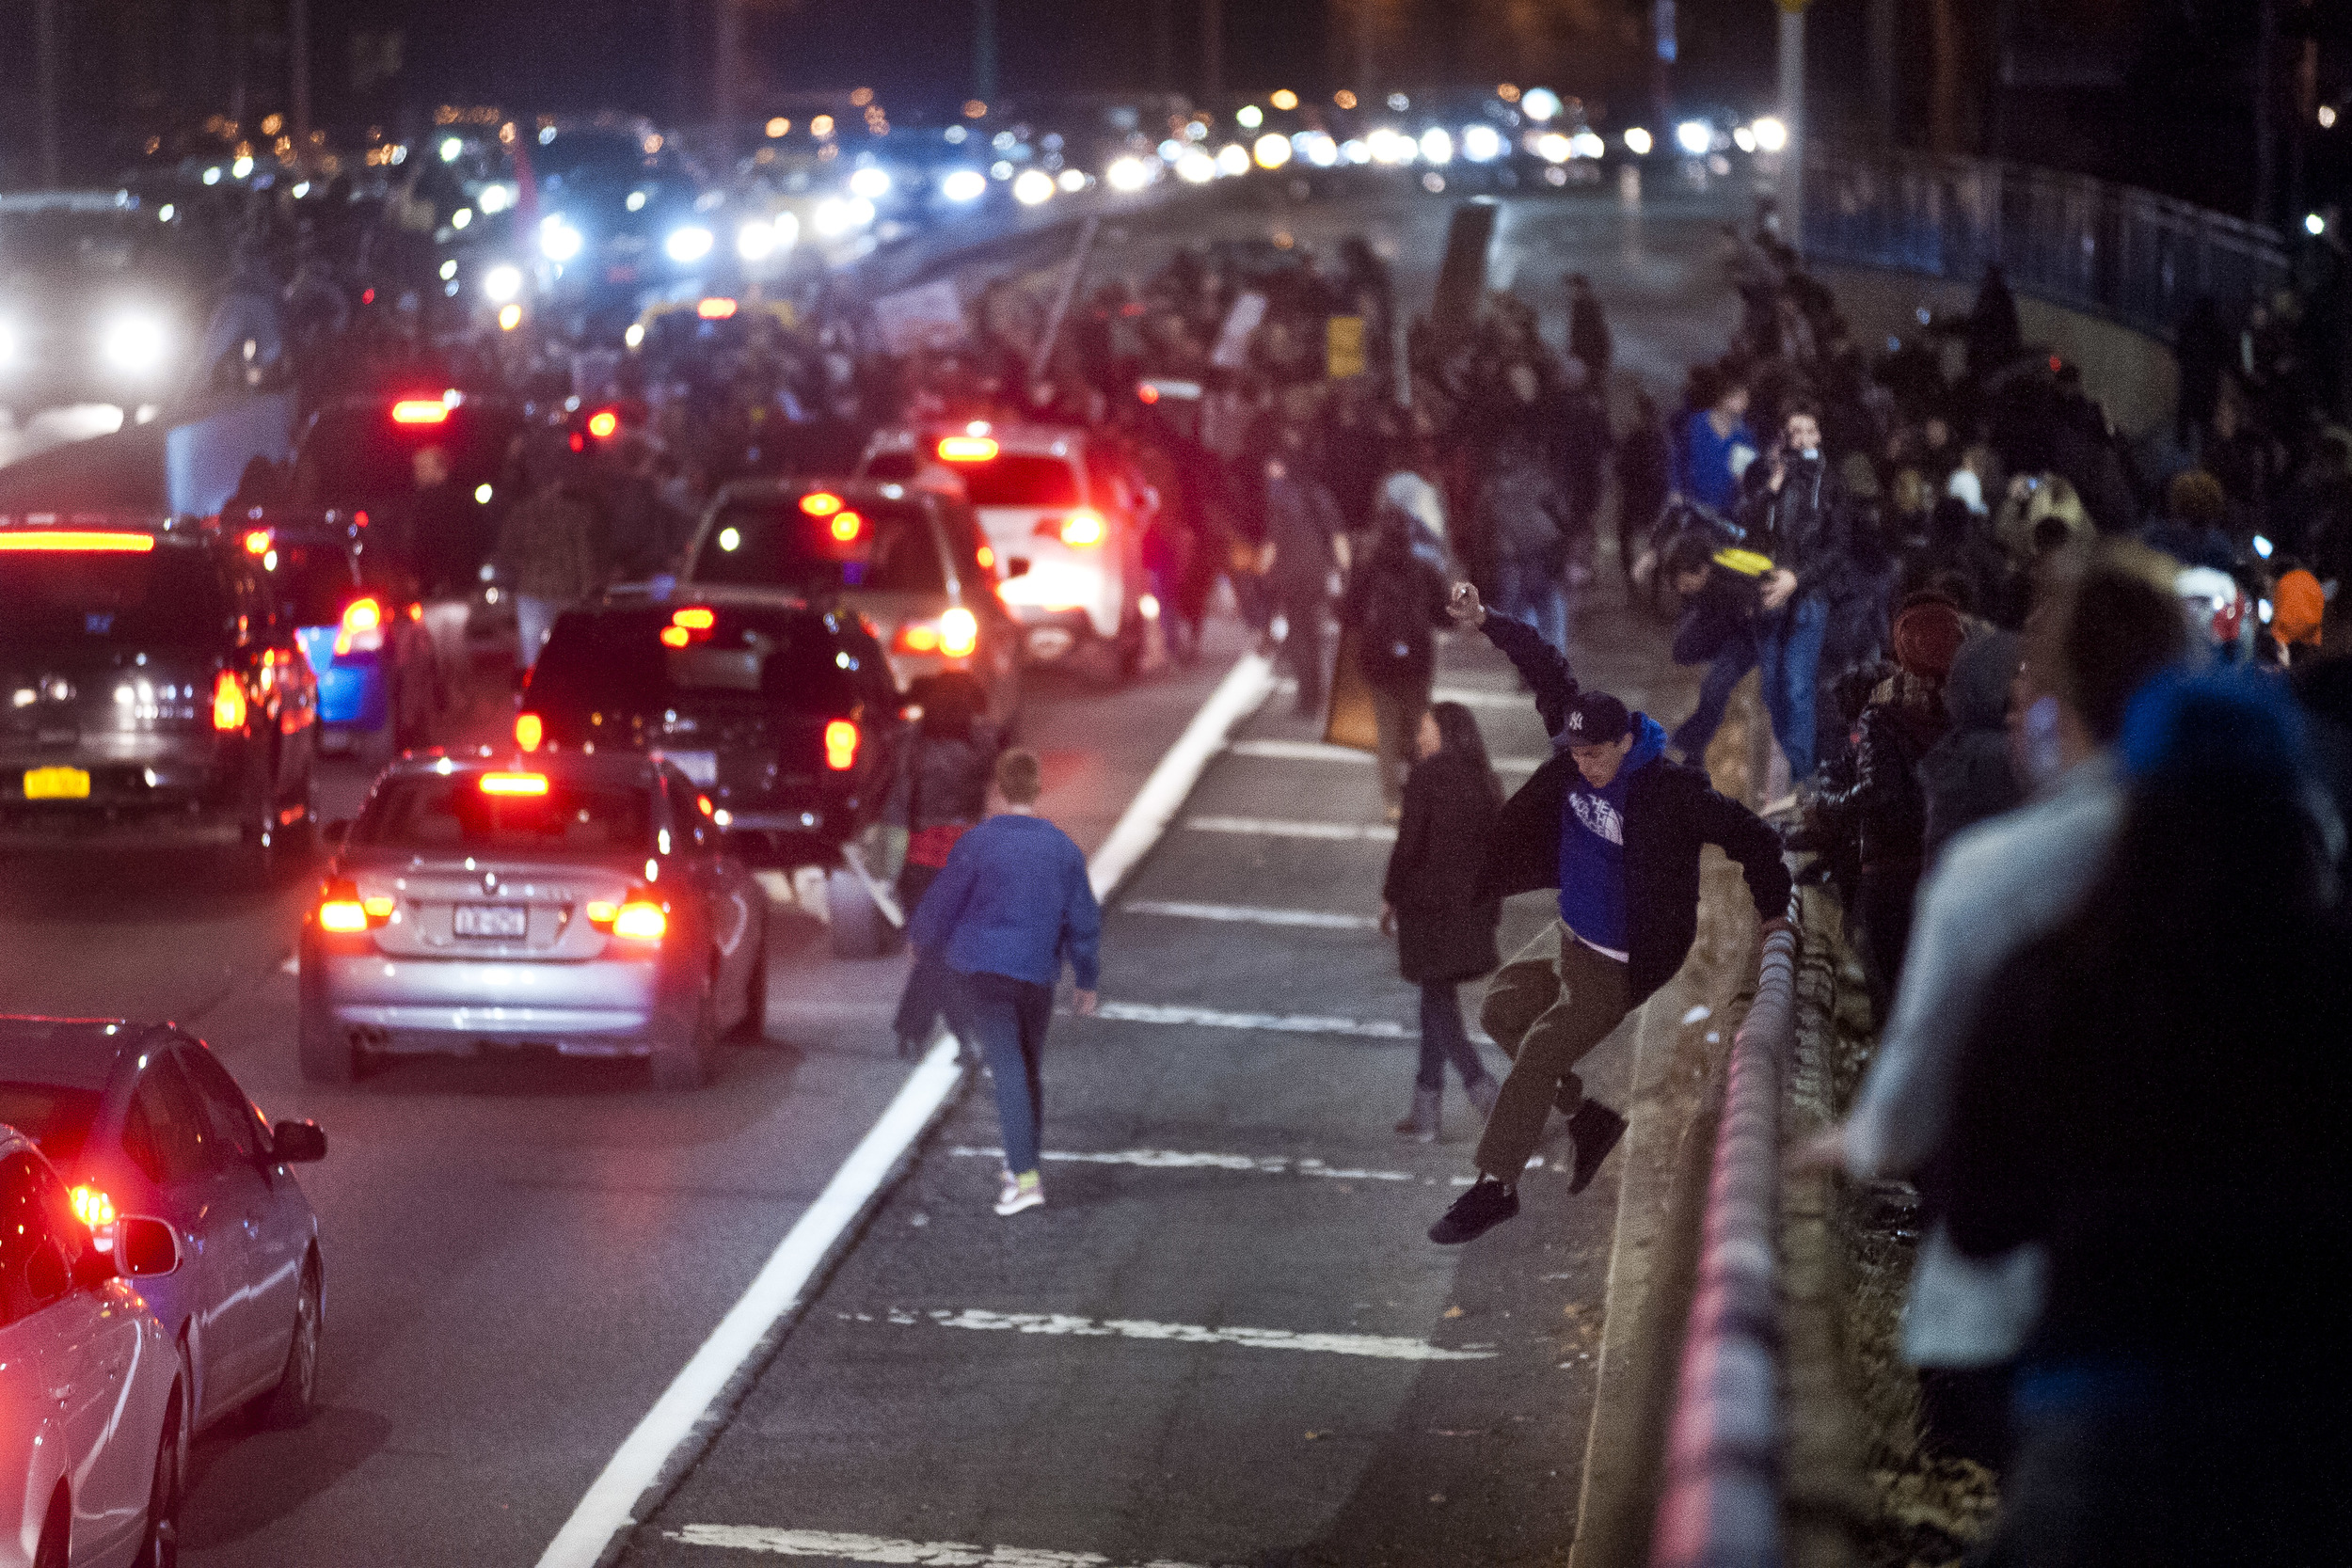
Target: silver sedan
x: 577, y: 902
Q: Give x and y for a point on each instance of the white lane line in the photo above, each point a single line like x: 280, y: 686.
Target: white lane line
x: 1243, y: 915
x: 1169, y: 1159
x: 1317, y: 751
x: 1384, y: 1347
x: 1262, y: 827
x: 607, y: 1508
x: 1276, y: 1023
x: 875, y: 1548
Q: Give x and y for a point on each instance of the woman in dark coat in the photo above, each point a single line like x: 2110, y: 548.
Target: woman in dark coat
x: 938, y: 794
x: 1445, y: 935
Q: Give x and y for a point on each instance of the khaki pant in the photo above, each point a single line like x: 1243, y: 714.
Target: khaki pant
x: 1548, y: 1008
x: 1396, y: 712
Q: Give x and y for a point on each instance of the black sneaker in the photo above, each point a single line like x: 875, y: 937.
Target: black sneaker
x: 1486, y: 1205
x: 1596, y: 1129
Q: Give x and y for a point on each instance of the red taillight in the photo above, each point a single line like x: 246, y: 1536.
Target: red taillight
x: 79, y: 539
x: 514, y: 783
x: 987, y: 557
x: 820, y: 503
x: 257, y: 540
x: 420, y: 411
x: 603, y: 423
x: 695, y: 618
x: 717, y: 308
x: 362, y: 628
x: 959, y: 633
x: 639, y: 921
x: 918, y: 637
x: 342, y: 912
x: 1083, y: 529
x: 228, y: 701
x: 676, y: 637
x: 967, y: 449
x: 92, y: 1207
x: 841, y: 745
x: 528, y: 731
x: 846, y: 527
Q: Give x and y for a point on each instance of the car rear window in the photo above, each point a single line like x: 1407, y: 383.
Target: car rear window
x: 452, y: 811
x: 314, y: 582
x: 359, y: 453
x: 616, y: 659
x: 59, y: 1119
x: 780, y: 543
x: 56, y: 600
x: 1020, y: 479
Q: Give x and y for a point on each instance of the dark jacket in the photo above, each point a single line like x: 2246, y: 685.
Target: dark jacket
x: 1967, y: 776
x: 1670, y: 813
x: 1444, y: 929
x: 941, y: 779
x: 1881, y: 803
x: 1799, y: 524
x: 1395, y: 600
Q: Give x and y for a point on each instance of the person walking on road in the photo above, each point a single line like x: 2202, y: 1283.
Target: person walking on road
x: 1302, y: 521
x: 1012, y: 901
x: 1445, y: 930
x: 1395, y: 600
x: 938, y: 793
x: 1588, y: 329
x: 1617, y: 829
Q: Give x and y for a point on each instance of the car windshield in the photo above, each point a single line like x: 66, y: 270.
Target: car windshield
x: 71, y: 241
x: 52, y: 599
x: 619, y: 659
x: 891, y: 548
x: 459, y: 811
x: 1020, y: 479
x: 59, y: 1119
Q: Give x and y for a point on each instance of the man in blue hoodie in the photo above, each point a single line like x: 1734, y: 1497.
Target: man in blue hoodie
x: 1617, y: 829
x: 1011, y: 902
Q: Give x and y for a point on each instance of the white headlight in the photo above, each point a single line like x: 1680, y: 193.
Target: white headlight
x: 1694, y: 137
x: 963, y: 185
x: 557, y: 241
x: 871, y: 184
x: 634, y: 336
x: 1250, y: 116
x: 503, y: 283
x: 1127, y: 174
x: 1034, y: 186
x: 1770, y: 134
x: 133, y: 343
x: 1555, y: 148
x: 1637, y: 141
x: 450, y: 147
x: 494, y: 198
x: 1232, y: 158
x: 1196, y: 168
x: 1437, y: 146
x: 1071, y: 179
x: 787, y: 230
x: 1481, y: 143
x: 1586, y: 144
x: 688, y: 244
x: 1322, y: 151
x: 1273, y: 150
x: 1539, y: 103
x: 831, y: 217
x: 754, y: 240
x: 241, y: 168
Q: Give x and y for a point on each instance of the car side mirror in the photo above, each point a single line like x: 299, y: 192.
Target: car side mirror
x: 145, y: 1249
x: 296, y: 1143
x: 1017, y: 566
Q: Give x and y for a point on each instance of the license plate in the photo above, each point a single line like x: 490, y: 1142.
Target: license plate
x: 701, y: 767
x: 56, y: 784
x: 492, y: 920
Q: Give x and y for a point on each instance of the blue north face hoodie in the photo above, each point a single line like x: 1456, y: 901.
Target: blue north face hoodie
x: 1592, y: 844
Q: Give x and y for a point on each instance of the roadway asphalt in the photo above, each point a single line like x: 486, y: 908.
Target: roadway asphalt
x: 521, y: 1253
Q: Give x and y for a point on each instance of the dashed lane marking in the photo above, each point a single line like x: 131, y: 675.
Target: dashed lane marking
x: 1276, y: 1023
x: 1318, y: 751
x: 1242, y: 915
x: 875, y: 1548
x: 1169, y: 1159
x: 1062, y: 1325
x: 1264, y: 827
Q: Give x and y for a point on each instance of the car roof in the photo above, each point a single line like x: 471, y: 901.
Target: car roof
x: 604, y: 768
x: 71, y: 1052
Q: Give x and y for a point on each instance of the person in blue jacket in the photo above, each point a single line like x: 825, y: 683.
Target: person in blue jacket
x: 1712, y: 445
x: 1012, y: 903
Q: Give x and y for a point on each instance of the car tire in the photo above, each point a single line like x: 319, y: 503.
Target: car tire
x: 295, y: 1399
x: 326, y: 1052
x: 679, y: 1064
x: 159, y: 1545
x: 859, y: 928
x: 752, y: 1026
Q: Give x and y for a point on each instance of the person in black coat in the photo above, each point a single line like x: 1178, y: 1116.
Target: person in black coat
x: 1445, y: 931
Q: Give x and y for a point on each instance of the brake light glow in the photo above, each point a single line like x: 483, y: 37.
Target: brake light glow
x: 379, y: 907
x: 987, y: 559
x: 420, y: 411
x: 702, y: 804
x: 641, y: 921
x: 820, y: 503
x: 1083, y: 529
x: 676, y: 637
x: 601, y: 912
x: 347, y: 916
x: 362, y: 627
x: 514, y: 783
x: 846, y: 527
x: 92, y: 1207
x: 695, y: 618
x: 528, y: 731
x: 228, y: 701
x: 257, y: 540
x: 841, y: 740
x: 959, y: 633
x: 967, y: 449
x: 603, y: 422
x: 918, y: 637
x: 78, y: 539
x: 717, y: 308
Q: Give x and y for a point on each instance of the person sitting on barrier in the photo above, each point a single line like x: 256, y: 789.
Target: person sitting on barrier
x: 1617, y: 829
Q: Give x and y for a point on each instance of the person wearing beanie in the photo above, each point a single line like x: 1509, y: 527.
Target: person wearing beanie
x: 2298, y: 606
x: 1616, y: 830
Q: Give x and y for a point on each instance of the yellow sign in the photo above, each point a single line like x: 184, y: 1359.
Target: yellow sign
x: 56, y: 784
x: 1343, y: 343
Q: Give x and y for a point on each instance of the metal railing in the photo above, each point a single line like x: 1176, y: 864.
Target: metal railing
x: 1718, y: 1496
x: 2130, y: 255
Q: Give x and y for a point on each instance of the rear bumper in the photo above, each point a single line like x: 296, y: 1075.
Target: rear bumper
x: 601, y: 1007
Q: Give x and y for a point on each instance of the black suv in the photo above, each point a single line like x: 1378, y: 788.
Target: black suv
x: 785, y: 717
x: 150, y: 693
